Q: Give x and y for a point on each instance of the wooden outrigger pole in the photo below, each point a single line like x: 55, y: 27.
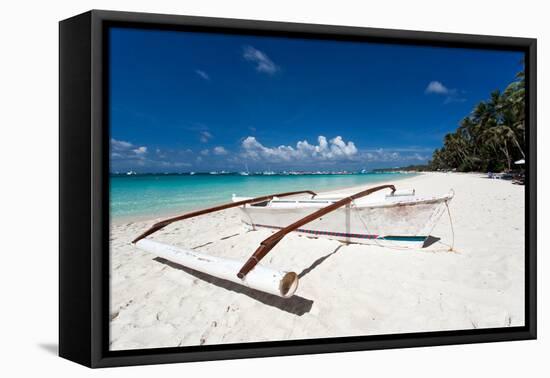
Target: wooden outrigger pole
x: 160, y: 225
x: 268, y: 244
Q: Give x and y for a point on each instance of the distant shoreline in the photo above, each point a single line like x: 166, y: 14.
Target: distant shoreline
x: 237, y: 173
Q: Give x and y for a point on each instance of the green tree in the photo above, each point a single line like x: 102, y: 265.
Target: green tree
x: 491, y: 137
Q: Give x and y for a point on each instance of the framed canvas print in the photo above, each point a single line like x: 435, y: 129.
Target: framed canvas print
x: 234, y: 188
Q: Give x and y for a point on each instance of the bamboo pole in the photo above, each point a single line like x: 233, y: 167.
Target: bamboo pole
x: 268, y: 280
x: 160, y: 225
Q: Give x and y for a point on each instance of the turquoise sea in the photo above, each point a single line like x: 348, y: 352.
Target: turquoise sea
x: 152, y: 195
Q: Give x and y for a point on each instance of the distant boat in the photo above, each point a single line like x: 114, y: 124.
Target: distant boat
x: 245, y: 173
x: 268, y: 173
x: 131, y: 173
x: 214, y: 173
x: 242, y: 173
x: 191, y: 173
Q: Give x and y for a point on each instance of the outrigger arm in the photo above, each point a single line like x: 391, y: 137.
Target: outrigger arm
x: 268, y: 244
x: 160, y: 225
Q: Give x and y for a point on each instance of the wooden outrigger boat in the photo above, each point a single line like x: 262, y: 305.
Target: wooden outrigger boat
x: 397, y: 218
x: 387, y: 217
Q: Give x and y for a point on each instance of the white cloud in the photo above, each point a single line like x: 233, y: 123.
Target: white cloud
x: 160, y: 153
x: 381, y: 155
x: 451, y: 94
x: 140, y: 150
x: 202, y: 74
x: 437, y: 87
x: 260, y: 59
x: 174, y: 164
x: 340, y: 148
x: 120, y: 144
x: 204, y: 152
x: 219, y: 150
x: 396, y: 155
x: 205, y: 136
x: 126, y: 155
x: 127, y: 151
x: 328, y: 150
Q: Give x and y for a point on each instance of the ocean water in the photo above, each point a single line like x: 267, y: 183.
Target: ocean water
x: 154, y: 195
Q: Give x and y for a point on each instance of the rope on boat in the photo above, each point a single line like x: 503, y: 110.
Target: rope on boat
x: 452, y: 227
x: 390, y: 244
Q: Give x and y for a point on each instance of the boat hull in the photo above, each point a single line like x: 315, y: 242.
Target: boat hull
x: 401, y: 223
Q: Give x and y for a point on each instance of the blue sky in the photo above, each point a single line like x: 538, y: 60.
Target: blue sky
x: 184, y: 101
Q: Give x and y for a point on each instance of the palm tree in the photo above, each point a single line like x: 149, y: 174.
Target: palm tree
x: 491, y: 137
x: 499, y: 137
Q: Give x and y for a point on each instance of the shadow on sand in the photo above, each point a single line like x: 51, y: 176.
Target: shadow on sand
x: 430, y: 240
x: 318, y: 262
x: 295, y: 305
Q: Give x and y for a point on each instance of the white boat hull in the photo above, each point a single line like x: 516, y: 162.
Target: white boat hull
x: 389, y: 220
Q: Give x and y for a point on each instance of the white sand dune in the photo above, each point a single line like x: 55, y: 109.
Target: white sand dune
x: 345, y: 290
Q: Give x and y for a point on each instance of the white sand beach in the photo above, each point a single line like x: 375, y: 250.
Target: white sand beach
x: 344, y: 290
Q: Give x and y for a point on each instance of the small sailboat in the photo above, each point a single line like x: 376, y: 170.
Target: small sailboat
x: 378, y: 215
x: 245, y: 173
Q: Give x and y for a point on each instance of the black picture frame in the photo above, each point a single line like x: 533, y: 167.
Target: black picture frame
x: 84, y: 190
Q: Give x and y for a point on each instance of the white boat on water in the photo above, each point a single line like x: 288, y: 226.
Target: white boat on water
x: 245, y: 173
x: 378, y: 215
x: 383, y: 218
